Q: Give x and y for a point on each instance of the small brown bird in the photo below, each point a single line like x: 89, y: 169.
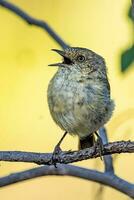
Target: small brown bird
x: 79, y: 94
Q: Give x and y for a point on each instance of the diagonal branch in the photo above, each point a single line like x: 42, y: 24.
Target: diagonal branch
x: 67, y: 157
x: 69, y: 170
x: 33, y: 21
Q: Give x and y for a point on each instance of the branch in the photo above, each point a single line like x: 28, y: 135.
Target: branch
x: 69, y: 156
x: 108, y: 160
x: 33, y: 21
x: 88, y: 174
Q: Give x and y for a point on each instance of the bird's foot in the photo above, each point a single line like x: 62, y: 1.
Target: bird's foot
x: 55, y: 154
x: 57, y: 151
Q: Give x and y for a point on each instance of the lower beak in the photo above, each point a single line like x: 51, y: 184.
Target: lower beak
x: 57, y: 64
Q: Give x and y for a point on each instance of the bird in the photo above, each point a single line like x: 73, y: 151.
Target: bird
x: 79, y: 96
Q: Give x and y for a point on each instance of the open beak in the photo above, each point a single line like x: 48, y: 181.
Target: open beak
x: 66, y: 60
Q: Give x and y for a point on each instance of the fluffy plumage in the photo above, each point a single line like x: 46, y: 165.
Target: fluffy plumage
x: 79, y: 93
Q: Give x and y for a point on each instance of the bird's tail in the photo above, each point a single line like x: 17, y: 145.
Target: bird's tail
x: 86, y: 142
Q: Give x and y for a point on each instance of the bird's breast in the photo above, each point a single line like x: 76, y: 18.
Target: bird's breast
x: 76, y: 105
x: 62, y: 92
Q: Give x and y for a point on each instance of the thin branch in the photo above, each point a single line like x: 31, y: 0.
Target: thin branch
x: 67, y: 157
x: 108, y: 160
x: 88, y: 174
x: 33, y: 21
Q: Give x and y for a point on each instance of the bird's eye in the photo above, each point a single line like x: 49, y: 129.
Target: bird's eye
x: 81, y: 58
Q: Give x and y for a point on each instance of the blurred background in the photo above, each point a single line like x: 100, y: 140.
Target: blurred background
x: 104, y: 26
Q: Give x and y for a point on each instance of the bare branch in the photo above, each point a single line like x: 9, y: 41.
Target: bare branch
x: 100, y: 177
x: 108, y: 160
x: 33, y: 21
x: 67, y: 157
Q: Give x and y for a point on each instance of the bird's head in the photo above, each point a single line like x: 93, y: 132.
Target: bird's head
x: 82, y: 59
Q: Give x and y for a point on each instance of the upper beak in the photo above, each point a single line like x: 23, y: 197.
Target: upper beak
x: 60, y: 52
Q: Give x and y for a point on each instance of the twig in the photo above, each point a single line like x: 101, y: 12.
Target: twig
x: 33, y: 21
x: 67, y: 157
x: 108, y: 160
x: 88, y: 174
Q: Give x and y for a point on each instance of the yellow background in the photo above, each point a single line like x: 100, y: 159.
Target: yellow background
x: 25, y: 122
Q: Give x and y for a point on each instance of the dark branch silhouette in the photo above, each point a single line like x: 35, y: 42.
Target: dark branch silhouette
x: 32, y: 21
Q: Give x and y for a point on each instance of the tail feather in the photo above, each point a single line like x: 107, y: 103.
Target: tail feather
x: 86, y: 142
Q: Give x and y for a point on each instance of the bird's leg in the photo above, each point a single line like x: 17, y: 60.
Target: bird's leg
x: 57, y: 150
x: 100, y: 144
x: 57, y: 147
